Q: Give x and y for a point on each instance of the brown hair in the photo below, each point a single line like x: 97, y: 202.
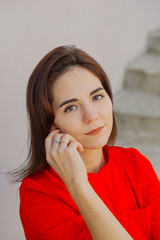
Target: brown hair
x: 39, y: 101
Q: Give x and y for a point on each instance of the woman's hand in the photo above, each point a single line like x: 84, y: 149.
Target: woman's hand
x: 62, y: 154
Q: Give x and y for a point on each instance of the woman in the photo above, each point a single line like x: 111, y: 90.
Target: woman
x: 77, y: 185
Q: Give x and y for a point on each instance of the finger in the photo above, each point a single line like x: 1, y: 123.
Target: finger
x: 76, y: 145
x: 49, y: 139
x: 56, y: 142
x: 53, y: 132
x: 63, y: 144
x: 66, y: 139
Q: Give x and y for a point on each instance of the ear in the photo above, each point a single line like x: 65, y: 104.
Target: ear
x: 53, y: 127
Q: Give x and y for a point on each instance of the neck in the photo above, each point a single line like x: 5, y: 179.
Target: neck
x: 93, y: 159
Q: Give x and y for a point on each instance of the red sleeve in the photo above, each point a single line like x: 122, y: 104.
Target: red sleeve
x: 45, y: 215
x: 149, y: 185
x: 151, y: 195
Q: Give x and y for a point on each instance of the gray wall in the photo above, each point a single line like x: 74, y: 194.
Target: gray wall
x: 113, y: 32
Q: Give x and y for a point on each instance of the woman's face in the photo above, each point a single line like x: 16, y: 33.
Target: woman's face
x: 81, y: 105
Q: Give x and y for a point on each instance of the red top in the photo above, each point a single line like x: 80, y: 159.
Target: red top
x: 127, y: 184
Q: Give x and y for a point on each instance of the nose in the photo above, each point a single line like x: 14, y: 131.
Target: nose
x: 89, y: 113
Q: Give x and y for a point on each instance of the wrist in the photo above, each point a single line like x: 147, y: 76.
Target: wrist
x: 79, y: 188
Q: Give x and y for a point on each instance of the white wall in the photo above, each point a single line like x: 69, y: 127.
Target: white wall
x: 112, y: 31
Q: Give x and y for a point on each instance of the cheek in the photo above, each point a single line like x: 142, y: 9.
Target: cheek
x: 66, y: 125
x: 59, y: 123
x: 110, y: 116
x: 109, y: 109
x: 110, y: 112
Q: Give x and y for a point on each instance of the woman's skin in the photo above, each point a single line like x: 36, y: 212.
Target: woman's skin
x: 79, y: 150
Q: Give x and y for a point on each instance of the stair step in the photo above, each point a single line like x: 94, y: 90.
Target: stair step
x: 139, y: 111
x: 154, y: 42
x: 144, y: 73
x: 137, y: 106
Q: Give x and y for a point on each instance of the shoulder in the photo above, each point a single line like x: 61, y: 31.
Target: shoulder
x: 134, y: 164
x: 127, y: 156
x: 123, y: 151
x: 131, y: 160
x: 46, y: 182
x: 35, y: 181
x: 138, y: 170
x: 45, y: 187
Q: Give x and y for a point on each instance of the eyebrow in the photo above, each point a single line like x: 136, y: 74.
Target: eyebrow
x: 76, y: 100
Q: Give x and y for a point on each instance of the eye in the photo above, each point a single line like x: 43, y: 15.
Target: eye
x: 97, y: 97
x: 70, y: 108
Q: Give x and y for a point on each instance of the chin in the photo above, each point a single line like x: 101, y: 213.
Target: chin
x: 96, y: 144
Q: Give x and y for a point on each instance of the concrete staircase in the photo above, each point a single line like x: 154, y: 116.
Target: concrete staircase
x: 137, y: 105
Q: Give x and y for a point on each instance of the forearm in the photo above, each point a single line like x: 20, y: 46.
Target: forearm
x: 100, y: 221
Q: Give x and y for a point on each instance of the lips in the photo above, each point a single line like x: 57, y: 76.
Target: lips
x: 95, y: 131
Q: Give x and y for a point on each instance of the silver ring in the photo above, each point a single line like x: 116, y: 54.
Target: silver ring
x: 55, y: 141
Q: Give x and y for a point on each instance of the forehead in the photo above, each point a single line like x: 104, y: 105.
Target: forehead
x: 76, y: 81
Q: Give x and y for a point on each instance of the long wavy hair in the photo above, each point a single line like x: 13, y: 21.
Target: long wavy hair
x: 39, y: 102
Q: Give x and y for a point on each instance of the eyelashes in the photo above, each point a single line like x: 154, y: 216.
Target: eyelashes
x: 70, y: 108
x: 97, y: 97
x: 94, y: 99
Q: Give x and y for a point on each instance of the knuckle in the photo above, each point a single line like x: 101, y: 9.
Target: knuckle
x: 55, y: 135
x: 66, y: 135
x: 60, y: 151
x: 69, y: 150
x: 53, y: 154
x: 74, y: 143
